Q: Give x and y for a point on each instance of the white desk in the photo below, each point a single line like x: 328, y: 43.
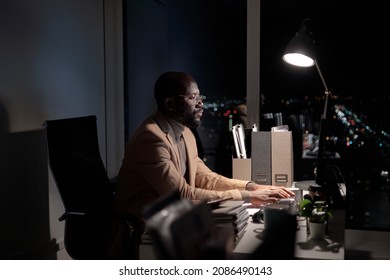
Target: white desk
x: 331, y: 247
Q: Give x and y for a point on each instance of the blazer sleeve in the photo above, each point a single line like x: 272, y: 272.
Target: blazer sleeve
x: 207, y: 179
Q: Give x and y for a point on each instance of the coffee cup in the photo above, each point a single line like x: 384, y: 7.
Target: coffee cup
x: 274, y: 214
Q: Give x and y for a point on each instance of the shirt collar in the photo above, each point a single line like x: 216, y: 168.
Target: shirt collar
x: 177, y: 127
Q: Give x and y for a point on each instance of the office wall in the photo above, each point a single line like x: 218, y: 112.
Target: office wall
x: 52, y: 65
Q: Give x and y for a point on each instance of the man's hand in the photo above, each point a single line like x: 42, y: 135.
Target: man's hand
x: 263, y: 194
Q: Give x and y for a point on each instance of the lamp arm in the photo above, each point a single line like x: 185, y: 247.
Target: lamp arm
x: 321, y: 76
x: 327, y: 91
x: 323, y: 127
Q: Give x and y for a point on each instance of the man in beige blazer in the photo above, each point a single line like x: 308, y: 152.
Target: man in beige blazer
x: 162, y: 157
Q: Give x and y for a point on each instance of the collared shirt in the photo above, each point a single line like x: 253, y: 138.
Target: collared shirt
x: 178, y: 129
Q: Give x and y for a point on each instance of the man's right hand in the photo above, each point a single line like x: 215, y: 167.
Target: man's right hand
x: 271, y: 194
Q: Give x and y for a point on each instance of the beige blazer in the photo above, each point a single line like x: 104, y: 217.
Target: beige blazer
x: 151, y: 169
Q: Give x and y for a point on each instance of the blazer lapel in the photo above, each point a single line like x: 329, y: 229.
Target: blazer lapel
x: 191, y: 164
x: 166, y: 128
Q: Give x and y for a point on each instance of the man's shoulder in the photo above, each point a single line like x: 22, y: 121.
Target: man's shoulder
x: 158, y: 119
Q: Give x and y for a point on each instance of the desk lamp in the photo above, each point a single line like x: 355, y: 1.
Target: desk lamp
x: 300, y: 52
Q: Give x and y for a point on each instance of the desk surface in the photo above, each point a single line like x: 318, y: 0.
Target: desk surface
x: 331, y: 247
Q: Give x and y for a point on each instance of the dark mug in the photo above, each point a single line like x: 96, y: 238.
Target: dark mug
x: 287, y: 205
x: 274, y: 214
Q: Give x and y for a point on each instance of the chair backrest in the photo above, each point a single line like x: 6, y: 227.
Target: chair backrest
x: 83, y: 184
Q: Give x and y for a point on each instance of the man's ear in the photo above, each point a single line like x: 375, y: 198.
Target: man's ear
x: 170, y: 104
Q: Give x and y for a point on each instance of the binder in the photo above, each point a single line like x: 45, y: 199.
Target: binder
x: 282, y: 158
x: 261, y: 157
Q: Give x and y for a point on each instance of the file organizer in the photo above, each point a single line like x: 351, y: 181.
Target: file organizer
x: 242, y: 169
x: 282, y: 158
x: 261, y: 158
x: 271, y: 159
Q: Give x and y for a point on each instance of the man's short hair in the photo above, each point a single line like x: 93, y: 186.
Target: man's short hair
x: 170, y: 84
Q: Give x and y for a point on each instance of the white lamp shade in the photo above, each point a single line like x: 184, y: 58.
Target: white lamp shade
x: 298, y: 59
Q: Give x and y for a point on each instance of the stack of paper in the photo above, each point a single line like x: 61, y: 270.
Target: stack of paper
x: 232, y: 214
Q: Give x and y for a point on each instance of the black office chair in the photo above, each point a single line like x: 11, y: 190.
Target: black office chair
x: 83, y: 184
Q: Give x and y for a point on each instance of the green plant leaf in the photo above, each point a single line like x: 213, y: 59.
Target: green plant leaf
x: 305, y: 202
x: 316, y: 212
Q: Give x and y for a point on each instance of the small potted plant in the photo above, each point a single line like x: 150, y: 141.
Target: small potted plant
x: 317, y: 214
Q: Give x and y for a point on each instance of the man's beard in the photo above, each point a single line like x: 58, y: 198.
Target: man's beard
x: 189, y: 120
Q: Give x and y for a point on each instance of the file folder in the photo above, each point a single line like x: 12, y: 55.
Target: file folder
x: 282, y: 158
x: 261, y: 157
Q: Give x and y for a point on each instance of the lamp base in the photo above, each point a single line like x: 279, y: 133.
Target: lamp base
x: 329, y: 179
